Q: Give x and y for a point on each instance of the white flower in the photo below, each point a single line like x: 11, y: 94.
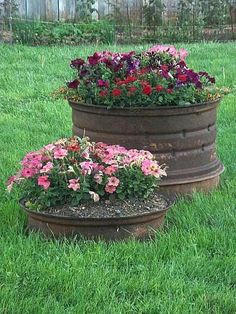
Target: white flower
x: 94, y: 196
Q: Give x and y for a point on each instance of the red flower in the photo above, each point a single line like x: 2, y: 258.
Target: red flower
x: 132, y: 89
x: 143, y: 71
x: 165, y: 68
x: 103, y: 93
x: 147, y: 89
x: 182, y: 77
x: 73, y: 148
x: 116, y: 92
x: 120, y: 82
x: 159, y: 88
x: 130, y: 79
x: 169, y: 90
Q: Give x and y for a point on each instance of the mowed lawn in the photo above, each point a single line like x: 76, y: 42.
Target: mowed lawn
x: 190, y: 267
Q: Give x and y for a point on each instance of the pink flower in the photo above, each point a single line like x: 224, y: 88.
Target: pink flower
x: 112, y: 184
x: 98, y: 177
x: 44, y: 182
x: 94, y: 196
x: 183, y: 53
x: 110, y: 170
x: 47, y: 168
x: 87, y: 167
x: 113, y: 181
x: 28, y: 172
x: 60, y: 153
x: 110, y: 189
x: 171, y: 50
x: 74, y: 184
x: 151, y: 167
x: 49, y: 147
x: 85, y: 155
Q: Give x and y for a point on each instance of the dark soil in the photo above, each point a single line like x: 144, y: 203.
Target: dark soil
x: 113, y: 208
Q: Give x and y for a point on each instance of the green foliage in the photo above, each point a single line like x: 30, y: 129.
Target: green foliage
x: 84, y: 9
x: 202, y: 13
x: 152, y: 12
x: 43, y: 33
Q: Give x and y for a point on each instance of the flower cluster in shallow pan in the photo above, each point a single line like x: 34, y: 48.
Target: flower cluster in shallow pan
x: 74, y: 170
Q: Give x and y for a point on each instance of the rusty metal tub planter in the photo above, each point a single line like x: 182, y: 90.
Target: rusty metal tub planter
x: 182, y: 137
x: 109, y: 229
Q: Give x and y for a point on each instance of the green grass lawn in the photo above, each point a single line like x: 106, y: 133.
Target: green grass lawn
x: 191, y: 265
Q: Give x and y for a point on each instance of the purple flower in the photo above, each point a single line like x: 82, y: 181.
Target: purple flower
x: 73, y: 84
x: 208, y: 77
x: 77, y: 63
x: 198, y: 84
x: 212, y: 80
x: 83, y: 73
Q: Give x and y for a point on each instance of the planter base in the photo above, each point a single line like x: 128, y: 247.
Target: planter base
x: 109, y: 229
x: 189, y: 188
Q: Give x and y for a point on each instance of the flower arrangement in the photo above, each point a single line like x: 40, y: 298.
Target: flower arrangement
x: 73, y: 170
x: 156, y: 77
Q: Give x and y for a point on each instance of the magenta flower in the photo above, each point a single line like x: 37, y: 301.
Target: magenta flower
x: 102, y: 83
x: 28, y: 172
x: 73, y: 84
x: 74, y: 184
x: 60, y: 153
x: 44, y: 182
x: 93, y: 60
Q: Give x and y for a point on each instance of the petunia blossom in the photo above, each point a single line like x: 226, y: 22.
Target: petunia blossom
x: 44, y: 182
x: 47, y: 168
x: 60, y: 153
x: 74, y: 184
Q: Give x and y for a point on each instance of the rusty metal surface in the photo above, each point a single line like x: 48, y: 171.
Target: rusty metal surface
x: 183, y: 138
x: 187, y: 189
x: 109, y: 229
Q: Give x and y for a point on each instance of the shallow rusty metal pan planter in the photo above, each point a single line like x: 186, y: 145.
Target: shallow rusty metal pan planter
x: 183, y: 138
x: 108, y: 229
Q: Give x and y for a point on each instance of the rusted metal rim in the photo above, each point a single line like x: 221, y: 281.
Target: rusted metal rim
x: 111, y: 221
x: 191, y: 179
x: 159, y: 110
